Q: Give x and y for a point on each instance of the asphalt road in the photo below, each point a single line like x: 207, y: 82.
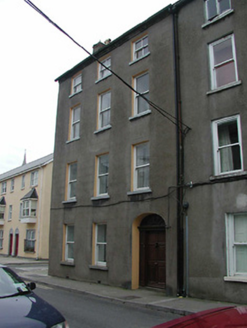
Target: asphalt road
x: 87, y: 311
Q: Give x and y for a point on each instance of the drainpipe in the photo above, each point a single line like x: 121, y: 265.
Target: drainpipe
x: 180, y: 156
x: 39, y: 214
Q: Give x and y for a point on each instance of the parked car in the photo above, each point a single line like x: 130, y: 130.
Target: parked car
x: 223, y: 317
x: 21, y: 307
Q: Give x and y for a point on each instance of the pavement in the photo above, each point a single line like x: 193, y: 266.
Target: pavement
x: 37, y: 271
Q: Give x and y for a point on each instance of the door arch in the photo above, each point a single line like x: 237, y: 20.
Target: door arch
x: 10, y: 242
x: 152, y: 252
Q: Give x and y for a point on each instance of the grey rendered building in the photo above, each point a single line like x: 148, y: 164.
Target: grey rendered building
x: 140, y: 198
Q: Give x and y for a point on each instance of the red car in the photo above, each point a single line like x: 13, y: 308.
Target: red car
x: 224, y: 317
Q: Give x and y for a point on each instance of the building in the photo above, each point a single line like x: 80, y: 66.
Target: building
x: 25, y: 209
x: 144, y: 192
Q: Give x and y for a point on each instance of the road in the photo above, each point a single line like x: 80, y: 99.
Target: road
x: 87, y: 311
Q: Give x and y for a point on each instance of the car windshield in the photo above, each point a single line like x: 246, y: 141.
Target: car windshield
x: 11, y: 284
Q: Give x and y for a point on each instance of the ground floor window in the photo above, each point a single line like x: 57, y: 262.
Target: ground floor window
x: 29, y: 242
x: 1, y: 239
x: 69, y: 243
x: 236, y: 235
x: 100, y: 244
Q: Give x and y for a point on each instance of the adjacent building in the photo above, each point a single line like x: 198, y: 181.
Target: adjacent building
x: 25, y: 199
x: 149, y: 181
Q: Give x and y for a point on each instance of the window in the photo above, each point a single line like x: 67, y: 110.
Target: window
x: 10, y: 212
x: 100, y: 245
x: 23, y: 181
x: 34, y: 178
x: 104, y: 109
x: 140, y: 48
x: 76, y: 84
x: 29, y: 208
x: 102, y: 174
x: 103, y: 71
x: 69, y: 243
x: 72, y: 181
x: 227, y: 145
x: 215, y: 8
x: 29, y: 242
x: 12, y: 185
x: 236, y: 236
x: 141, y: 85
x: 141, y: 166
x: 223, y: 63
x: 75, y: 123
x: 4, y: 187
x: 1, y: 239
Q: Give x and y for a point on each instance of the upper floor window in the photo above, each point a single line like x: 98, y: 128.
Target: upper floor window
x: 141, y: 85
x: 103, y: 71
x: 69, y: 243
x: 75, y: 122
x: 12, y: 185
x: 72, y: 181
x: 76, y: 84
x: 23, y: 181
x: 140, y: 48
x: 223, y: 62
x: 10, y: 212
x: 34, y: 178
x: 4, y: 187
x: 104, y: 109
x: 102, y: 174
x: 227, y: 141
x: 215, y: 8
x: 236, y: 238
x: 29, y: 208
x: 141, y: 166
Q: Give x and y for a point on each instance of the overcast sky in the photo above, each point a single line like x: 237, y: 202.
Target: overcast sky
x: 34, y: 53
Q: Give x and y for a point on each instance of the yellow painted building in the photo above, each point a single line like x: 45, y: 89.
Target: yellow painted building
x: 25, y: 198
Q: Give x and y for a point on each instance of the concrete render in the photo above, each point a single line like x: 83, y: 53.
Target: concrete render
x: 150, y: 298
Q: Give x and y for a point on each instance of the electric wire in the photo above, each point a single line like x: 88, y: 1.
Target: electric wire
x: 163, y: 112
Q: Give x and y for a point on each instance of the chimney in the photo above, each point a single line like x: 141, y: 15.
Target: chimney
x: 25, y: 158
x: 107, y: 41
x: 98, y: 46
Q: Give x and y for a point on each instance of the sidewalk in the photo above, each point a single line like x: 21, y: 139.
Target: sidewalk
x: 149, y: 298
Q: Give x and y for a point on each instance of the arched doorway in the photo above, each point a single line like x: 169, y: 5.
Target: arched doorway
x: 10, y: 242
x: 16, y: 242
x: 152, y: 252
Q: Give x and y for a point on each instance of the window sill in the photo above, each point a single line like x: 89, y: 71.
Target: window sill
x: 97, y: 267
x: 72, y: 140
x: 100, y: 197
x: 236, y: 278
x: 103, y: 78
x: 219, y: 17
x: 147, y: 112
x: 137, y: 192
x: 137, y: 60
x: 74, y: 94
x: 224, y: 87
x: 70, y: 201
x: 228, y: 175
x: 68, y: 263
x: 108, y: 127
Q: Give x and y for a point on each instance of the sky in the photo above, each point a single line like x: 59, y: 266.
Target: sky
x: 33, y: 53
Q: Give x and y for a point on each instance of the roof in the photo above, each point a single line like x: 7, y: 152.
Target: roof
x: 32, y: 194
x: 27, y: 167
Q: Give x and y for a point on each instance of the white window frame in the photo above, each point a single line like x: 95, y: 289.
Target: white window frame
x: 10, y: 212
x: 4, y: 187
x: 30, y: 237
x: 99, y: 244
x: 23, y: 181
x: 217, y: 148
x: 139, y: 167
x: 231, y: 246
x: 214, y: 67
x: 141, y: 50
x: 69, y: 243
x: 103, y: 72
x: 34, y: 178
x: 75, y: 123
x: 76, y: 84
x: 218, y: 10
x: 137, y: 96
x: 12, y: 185
x: 71, y: 181
x: 102, y: 175
x: 1, y: 238
x: 102, y: 110
x: 29, y: 208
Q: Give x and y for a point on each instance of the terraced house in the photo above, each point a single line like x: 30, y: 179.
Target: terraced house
x: 149, y: 183
x: 25, y: 199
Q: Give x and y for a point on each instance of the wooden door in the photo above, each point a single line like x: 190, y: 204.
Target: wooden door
x: 10, y: 243
x: 16, y: 244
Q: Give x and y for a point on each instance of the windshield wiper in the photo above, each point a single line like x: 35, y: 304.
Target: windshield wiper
x: 19, y: 292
